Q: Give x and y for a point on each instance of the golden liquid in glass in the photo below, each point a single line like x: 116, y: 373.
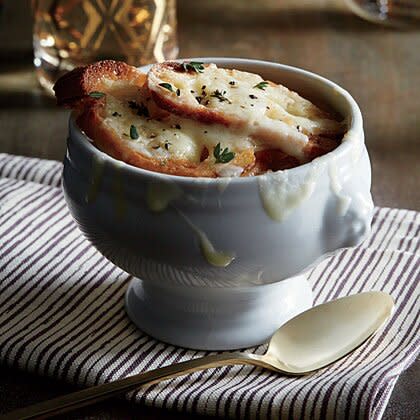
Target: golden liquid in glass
x: 71, y: 33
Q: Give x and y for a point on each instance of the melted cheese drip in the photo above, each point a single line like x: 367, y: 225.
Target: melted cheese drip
x: 223, y: 184
x: 280, y: 194
x: 351, y: 136
x: 228, y: 171
x: 160, y: 195
x: 213, y: 256
x: 97, y: 171
x: 344, y: 200
x: 364, y: 203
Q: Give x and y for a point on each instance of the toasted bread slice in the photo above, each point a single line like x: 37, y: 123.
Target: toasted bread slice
x: 75, y: 87
x: 115, y: 109
x: 270, y: 113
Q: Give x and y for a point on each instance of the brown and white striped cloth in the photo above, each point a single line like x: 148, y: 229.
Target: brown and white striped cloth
x: 62, y: 314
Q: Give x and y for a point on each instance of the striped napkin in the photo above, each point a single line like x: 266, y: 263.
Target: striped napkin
x: 62, y: 314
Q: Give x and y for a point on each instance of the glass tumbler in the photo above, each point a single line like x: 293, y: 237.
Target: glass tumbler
x: 71, y: 33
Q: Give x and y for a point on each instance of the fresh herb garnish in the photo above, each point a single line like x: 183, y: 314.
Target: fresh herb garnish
x: 170, y: 88
x: 141, y: 109
x: 133, y: 132
x: 116, y: 114
x: 193, y: 66
x: 220, y: 96
x: 261, y: 85
x: 222, y: 156
x: 97, y: 95
x: 167, y: 86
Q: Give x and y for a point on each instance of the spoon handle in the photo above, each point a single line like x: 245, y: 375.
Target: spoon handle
x: 102, y: 392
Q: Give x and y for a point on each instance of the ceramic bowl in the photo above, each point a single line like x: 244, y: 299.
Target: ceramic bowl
x: 219, y: 263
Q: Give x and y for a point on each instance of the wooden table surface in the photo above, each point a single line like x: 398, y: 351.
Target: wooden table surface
x: 380, y: 67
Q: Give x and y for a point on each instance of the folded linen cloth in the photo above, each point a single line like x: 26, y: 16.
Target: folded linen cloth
x: 62, y: 314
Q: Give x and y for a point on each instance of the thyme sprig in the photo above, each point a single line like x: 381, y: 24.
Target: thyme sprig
x: 134, y: 134
x: 193, y: 66
x: 220, y: 96
x: 222, y: 156
x: 169, y: 87
x: 96, y: 94
x: 261, y: 85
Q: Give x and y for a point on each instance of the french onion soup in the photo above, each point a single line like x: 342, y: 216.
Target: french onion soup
x: 195, y: 119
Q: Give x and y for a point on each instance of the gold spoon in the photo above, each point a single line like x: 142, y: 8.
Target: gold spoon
x: 310, y: 341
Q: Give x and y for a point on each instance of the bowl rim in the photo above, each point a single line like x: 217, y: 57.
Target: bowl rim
x: 355, y: 124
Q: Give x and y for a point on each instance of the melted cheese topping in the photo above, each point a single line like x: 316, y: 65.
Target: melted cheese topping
x: 171, y: 136
x: 278, y: 117
x: 268, y: 116
x: 343, y: 199
x: 213, y: 256
x: 281, y: 194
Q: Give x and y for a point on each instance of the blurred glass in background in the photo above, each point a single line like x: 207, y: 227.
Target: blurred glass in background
x: 71, y: 33
x: 399, y: 13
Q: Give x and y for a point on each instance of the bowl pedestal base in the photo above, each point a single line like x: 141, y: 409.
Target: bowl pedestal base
x: 206, y: 318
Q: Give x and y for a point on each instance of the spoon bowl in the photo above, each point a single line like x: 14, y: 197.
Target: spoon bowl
x: 309, y: 341
x: 326, y: 333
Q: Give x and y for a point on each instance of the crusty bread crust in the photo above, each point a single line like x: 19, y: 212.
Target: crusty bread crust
x: 75, y: 86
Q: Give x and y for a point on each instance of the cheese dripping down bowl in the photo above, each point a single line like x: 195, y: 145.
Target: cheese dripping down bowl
x: 220, y: 263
